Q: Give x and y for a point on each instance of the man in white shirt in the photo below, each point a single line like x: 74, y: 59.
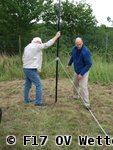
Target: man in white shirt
x: 32, y: 61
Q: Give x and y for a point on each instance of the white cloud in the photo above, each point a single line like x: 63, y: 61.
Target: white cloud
x: 101, y: 9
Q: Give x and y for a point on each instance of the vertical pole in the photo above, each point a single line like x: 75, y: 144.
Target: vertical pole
x: 19, y: 45
x: 106, y: 47
x: 106, y: 41
x: 59, y: 12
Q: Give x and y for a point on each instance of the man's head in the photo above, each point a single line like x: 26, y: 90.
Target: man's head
x: 78, y: 42
x: 36, y: 40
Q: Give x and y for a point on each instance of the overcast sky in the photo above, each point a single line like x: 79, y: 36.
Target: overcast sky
x: 101, y: 9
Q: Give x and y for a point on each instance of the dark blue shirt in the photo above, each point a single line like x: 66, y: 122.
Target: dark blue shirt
x: 81, y: 59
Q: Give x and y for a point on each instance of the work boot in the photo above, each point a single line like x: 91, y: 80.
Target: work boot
x: 40, y: 104
x: 76, y: 97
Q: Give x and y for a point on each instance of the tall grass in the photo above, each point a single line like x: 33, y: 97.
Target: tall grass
x: 11, y: 68
x: 102, y: 70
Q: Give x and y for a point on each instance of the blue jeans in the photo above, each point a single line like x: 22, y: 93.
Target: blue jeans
x: 31, y: 76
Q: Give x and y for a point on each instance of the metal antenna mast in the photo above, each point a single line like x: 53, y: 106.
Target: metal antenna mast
x: 59, y: 15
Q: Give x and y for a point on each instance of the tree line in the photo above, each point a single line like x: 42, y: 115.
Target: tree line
x: 21, y: 20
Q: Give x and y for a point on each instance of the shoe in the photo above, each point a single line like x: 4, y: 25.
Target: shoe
x: 41, y: 104
x: 88, y: 107
x: 28, y: 101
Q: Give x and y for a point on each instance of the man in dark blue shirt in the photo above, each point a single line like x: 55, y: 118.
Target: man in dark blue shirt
x: 81, y: 59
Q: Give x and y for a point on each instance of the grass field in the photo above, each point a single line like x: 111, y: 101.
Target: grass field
x: 66, y: 117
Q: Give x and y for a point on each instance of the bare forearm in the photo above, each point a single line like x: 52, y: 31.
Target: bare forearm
x: 54, y: 39
x: 50, y: 42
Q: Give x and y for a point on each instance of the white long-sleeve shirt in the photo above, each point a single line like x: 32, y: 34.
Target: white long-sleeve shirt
x: 32, y: 56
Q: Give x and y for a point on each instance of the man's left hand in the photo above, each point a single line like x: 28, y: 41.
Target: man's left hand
x: 79, y: 77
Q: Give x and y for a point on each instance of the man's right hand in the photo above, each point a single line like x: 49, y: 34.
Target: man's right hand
x: 58, y: 34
